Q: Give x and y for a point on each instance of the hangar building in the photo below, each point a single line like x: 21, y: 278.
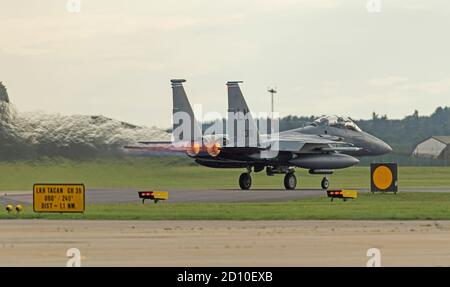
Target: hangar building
x: 435, y: 147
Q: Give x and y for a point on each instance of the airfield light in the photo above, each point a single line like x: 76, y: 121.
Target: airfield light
x: 19, y: 208
x: 9, y: 208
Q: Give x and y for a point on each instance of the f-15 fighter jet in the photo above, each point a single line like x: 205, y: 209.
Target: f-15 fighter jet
x: 328, y: 143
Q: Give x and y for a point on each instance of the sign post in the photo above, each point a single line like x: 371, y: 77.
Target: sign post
x: 383, y: 177
x: 62, y: 198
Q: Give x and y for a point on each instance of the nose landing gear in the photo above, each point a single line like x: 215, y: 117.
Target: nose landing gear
x: 325, y: 183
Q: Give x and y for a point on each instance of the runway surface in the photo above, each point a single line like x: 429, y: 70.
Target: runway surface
x: 224, y: 243
x: 111, y: 196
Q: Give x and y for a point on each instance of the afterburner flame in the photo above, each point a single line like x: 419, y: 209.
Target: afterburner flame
x: 193, y: 149
x: 213, y: 149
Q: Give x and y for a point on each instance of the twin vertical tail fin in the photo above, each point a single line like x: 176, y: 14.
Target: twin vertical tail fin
x: 242, y: 128
x: 185, y: 126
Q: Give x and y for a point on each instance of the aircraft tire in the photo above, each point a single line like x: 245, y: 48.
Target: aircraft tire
x: 290, y: 181
x: 245, y: 181
x: 325, y: 183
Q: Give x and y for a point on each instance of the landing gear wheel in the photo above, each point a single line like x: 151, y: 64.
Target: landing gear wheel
x: 290, y: 181
x: 325, y: 183
x: 245, y: 181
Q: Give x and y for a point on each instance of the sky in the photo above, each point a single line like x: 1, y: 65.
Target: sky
x: 116, y: 57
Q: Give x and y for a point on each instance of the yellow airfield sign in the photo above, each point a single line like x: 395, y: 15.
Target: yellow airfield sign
x: 58, y: 198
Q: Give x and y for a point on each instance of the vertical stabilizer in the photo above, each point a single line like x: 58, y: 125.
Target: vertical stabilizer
x: 182, y: 114
x: 240, y: 117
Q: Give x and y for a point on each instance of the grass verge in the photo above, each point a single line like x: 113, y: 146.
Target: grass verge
x: 181, y: 173
x: 403, y: 206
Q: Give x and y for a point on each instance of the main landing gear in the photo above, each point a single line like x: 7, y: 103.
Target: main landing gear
x: 290, y: 180
x: 245, y: 181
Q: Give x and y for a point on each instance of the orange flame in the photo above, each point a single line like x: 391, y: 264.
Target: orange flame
x: 213, y: 149
x: 193, y: 149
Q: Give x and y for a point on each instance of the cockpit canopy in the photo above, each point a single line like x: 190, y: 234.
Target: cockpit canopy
x: 336, y: 122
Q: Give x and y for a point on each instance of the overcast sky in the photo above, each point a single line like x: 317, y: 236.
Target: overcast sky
x: 116, y: 57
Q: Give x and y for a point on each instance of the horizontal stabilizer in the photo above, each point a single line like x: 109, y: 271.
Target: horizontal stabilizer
x: 157, y: 147
x: 155, y: 142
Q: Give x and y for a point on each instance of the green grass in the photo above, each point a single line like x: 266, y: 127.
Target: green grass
x: 403, y: 206
x: 179, y: 173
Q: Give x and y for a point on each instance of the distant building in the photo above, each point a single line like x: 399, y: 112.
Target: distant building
x: 435, y: 147
x: 3, y: 93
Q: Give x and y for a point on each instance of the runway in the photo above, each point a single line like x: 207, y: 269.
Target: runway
x: 224, y: 243
x: 220, y: 243
x: 114, y: 196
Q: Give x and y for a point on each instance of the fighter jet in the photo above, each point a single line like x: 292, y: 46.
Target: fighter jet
x: 327, y: 144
